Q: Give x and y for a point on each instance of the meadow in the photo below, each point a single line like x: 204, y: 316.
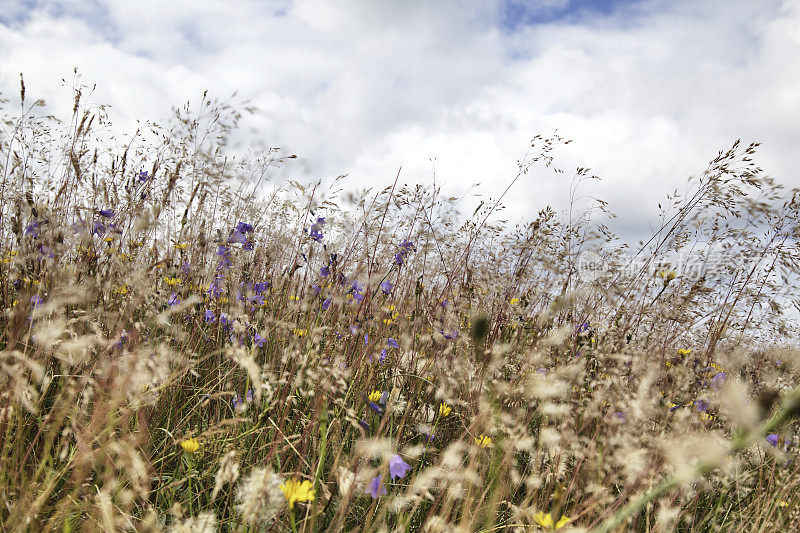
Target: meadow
x: 189, y: 345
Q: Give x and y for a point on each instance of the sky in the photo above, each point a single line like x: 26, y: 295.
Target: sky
x: 648, y: 90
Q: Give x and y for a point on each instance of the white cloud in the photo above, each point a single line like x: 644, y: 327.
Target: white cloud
x: 649, y: 92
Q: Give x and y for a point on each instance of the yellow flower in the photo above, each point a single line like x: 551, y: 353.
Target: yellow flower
x: 684, y: 351
x: 546, y: 521
x: 181, y: 245
x: 514, y: 301
x: 294, y: 297
x: 784, y: 503
x: 190, y: 445
x: 299, y: 332
x: 297, y: 491
x: 173, y: 281
x: 483, y: 441
x: 444, y: 409
x: 122, y: 289
x: 374, y: 396
x: 667, y: 275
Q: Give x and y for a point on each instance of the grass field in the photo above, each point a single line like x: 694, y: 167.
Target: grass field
x: 181, y: 351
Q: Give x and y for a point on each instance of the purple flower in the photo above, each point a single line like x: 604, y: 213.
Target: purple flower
x: 258, y: 288
x: 248, y: 245
x: 382, y: 357
x: 324, y: 271
x: 363, y: 424
x: 107, y: 213
x: 583, y: 327
x: 366, y: 339
x: 719, y: 380
x: 237, y: 402
x: 316, y: 229
x: 244, y: 228
x: 397, y: 467
x: 210, y: 316
x: 224, y: 253
x: 173, y: 299
x: 316, y: 289
x: 99, y: 228
x: 701, y: 405
x: 185, y: 267
x: 356, y: 290
x: 620, y: 416
x: 258, y: 340
x: 451, y: 335
x: 214, y: 288
x: 33, y: 229
x: 36, y: 301
x: 386, y: 287
x: 376, y: 488
x: 326, y: 304
x: 773, y: 439
x: 143, y: 176
x: 405, y: 247
x: 393, y: 343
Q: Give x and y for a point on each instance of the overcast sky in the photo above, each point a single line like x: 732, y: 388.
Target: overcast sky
x: 649, y: 90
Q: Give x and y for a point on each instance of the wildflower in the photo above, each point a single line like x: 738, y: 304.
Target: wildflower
x: 444, y: 409
x: 143, y: 176
x: 210, y: 316
x: 405, y: 247
x: 224, y: 252
x: 324, y: 271
x: 173, y: 299
x: 190, y: 445
x: 546, y: 521
x: 366, y: 339
x: 386, y: 287
x: 297, y: 491
x: 382, y: 356
x: 667, y: 276
x: 773, y: 439
x: 173, y: 281
x: 299, y: 332
x: 357, y: 291
x: 258, y: 288
x: 701, y: 405
x: 99, y: 228
x: 376, y: 488
x: 684, y: 351
x: 783, y: 503
x: 450, y: 335
x: 620, y: 416
x: 107, y: 213
x: 397, y: 467
x: 36, y: 301
x: 181, y: 245
x: 483, y: 441
x: 393, y: 343
x: 316, y: 230
x: 326, y: 304
x: 258, y: 340
x: 719, y: 380
x: 514, y: 301
x: 374, y: 396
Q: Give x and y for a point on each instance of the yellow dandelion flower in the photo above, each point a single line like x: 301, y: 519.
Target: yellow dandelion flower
x: 514, y: 301
x: 444, y: 409
x: 299, y: 332
x: 190, y: 445
x: 374, y: 396
x: 181, y: 245
x: 784, y: 503
x: 483, y: 441
x: 294, y: 297
x: 122, y: 289
x: 545, y: 520
x: 173, y: 281
x: 297, y: 491
x: 685, y: 351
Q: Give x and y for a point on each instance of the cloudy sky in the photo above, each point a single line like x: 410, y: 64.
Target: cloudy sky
x: 649, y: 90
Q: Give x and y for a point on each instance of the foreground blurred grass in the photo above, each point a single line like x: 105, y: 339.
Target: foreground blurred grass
x: 182, y: 351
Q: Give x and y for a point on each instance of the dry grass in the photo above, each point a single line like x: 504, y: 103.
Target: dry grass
x: 172, y: 366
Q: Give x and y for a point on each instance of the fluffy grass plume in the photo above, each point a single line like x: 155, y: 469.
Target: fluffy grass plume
x: 187, y: 345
